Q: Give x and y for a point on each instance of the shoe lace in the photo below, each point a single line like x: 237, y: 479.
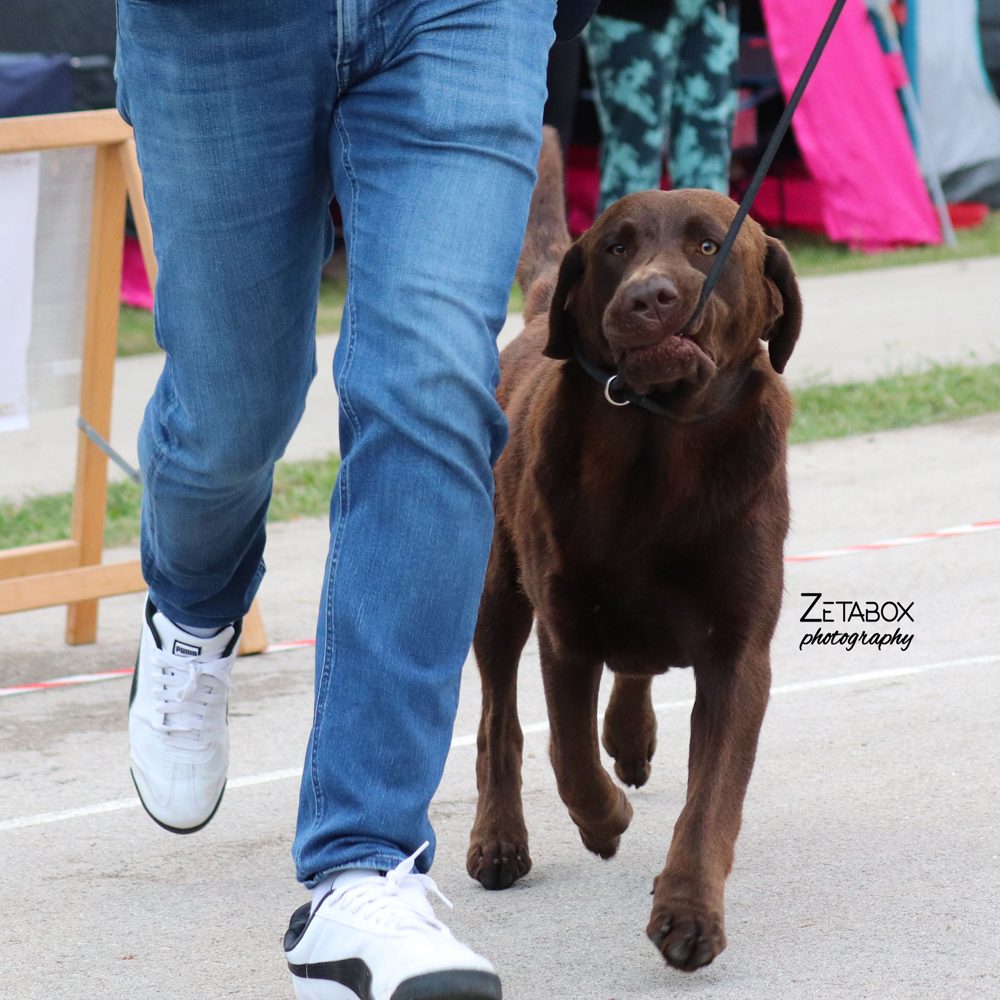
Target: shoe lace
x: 399, y: 899
x: 186, y: 695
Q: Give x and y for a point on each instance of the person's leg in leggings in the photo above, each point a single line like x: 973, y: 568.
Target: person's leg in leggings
x: 436, y: 135
x: 705, y: 97
x: 631, y: 66
x: 231, y: 107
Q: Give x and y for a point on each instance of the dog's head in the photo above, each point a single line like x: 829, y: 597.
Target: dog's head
x: 627, y: 288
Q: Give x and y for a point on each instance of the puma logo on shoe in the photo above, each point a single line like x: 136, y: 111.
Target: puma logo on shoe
x: 183, y: 649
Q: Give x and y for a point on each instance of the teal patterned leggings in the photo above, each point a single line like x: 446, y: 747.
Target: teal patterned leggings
x: 676, y: 82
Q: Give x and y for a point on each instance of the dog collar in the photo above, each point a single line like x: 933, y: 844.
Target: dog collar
x: 618, y: 393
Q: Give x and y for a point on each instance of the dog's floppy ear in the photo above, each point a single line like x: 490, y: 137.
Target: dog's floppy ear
x: 785, y: 303
x: 563, y: 331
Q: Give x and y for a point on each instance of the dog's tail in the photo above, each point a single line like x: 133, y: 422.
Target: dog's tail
x: 547, y: 237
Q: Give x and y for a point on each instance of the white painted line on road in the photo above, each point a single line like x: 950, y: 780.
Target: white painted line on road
x: 118, y: 805
x: 251, y: 780
x: 40, y: 819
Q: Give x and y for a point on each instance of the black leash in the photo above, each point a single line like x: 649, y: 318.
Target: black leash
x: 607, y: 379
x: 766, y: 160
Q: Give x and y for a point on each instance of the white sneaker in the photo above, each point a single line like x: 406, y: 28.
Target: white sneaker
x: 375, y: 937
x: 177, y: 726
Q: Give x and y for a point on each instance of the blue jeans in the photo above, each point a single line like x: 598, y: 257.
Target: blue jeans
x: 424, y: 117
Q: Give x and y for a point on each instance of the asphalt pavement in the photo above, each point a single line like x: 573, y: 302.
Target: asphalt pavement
x: 869, y: 861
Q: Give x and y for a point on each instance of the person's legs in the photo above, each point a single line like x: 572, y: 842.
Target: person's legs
x: 231, y: 104
x: 631, y: 67
x: 434, y: 155
x: 437, y: 131
x: 705, y: 96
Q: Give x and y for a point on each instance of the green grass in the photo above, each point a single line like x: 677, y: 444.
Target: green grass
x: 42, y: 519
x: 814, y: 254
x: 302, y: 489
x: 135, y: 332
x: 942, y: 393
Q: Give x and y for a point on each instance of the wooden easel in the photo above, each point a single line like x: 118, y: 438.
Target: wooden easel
x: 72, y: 572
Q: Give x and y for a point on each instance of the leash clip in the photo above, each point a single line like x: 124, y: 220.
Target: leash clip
x: 609, y: 397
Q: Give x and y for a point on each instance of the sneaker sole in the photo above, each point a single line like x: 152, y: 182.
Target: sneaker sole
x: 167, y: 826
x: 459, y: 985
x: 447, y: 985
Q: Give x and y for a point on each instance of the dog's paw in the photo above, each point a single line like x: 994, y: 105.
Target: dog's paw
x: 629, y: 736
x: 633, y: 756
x: 603, y: 836
x: 687, y: 935
x: 497, y: 863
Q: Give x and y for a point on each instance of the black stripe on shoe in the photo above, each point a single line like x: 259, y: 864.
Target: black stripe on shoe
x: 297, y: 925
x: 150, y: 610
x: 350, y: 972
x: 452, y: 984
x: 449, y: 984
x: 237, y: 632
x: 135, y: 679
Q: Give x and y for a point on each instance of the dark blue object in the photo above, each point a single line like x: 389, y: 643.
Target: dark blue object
x: 34, y: 85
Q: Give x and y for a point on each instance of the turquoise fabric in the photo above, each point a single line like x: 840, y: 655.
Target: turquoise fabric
x: 672, y: 89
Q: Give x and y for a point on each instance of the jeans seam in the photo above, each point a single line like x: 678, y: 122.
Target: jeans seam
x: 156, y: 463
x: 343, y: 487
x: 338, y: 67
x: 352, y: 339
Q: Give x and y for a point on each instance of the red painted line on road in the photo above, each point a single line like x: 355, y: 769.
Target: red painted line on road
x: 110, y: 675
x: 60, y: 682
x: 280, y: 647
x: 892, y: 543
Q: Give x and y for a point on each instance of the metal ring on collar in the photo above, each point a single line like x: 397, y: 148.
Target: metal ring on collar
x: 609, y: 397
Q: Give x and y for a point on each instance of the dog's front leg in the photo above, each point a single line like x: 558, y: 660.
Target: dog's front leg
x: 498, y: 847
x: 596, y: 804
x: 630, y: 728
x: 687, y: 923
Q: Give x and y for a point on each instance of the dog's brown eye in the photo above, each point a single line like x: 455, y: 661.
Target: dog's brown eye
x: 709, y: 247
x: 618, y: 249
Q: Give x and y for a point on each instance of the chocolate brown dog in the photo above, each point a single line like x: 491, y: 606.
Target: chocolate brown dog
x: 641, y: 539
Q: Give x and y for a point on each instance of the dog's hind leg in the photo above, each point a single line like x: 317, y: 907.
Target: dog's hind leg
x: 498, y: 847
x: 596, y: 804
x: 687, y: 922
x: 630, y: 728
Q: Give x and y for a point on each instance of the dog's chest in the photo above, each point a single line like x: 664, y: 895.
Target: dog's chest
x: 649, y: 637
x: 643, y: 614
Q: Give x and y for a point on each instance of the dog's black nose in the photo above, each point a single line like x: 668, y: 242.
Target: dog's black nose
x: 654, y: 298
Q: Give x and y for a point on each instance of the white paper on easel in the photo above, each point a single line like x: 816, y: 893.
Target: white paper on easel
x: 18, y: 218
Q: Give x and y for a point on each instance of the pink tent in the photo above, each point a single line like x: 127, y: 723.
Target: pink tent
x: 850, y: 128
